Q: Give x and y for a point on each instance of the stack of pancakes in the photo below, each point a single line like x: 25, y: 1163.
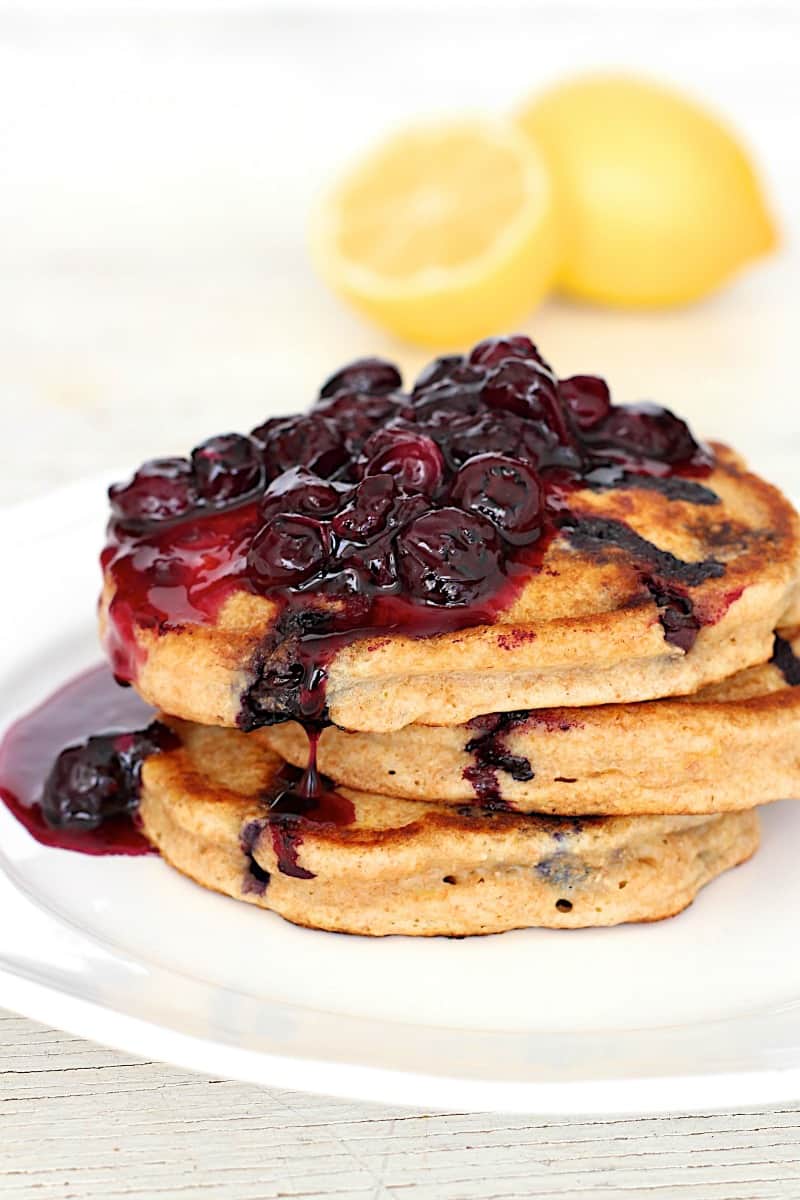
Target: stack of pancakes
x: 571, y: 760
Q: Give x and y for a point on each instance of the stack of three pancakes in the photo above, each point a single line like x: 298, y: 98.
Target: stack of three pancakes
x: 593, y: 753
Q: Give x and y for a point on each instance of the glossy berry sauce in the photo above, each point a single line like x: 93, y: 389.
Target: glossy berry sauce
x: 180, y: 576
x: 381, y: 510
x: 75, y: 789
x: 32, y: 750
x: 377, y: 511
x: 297, y: 799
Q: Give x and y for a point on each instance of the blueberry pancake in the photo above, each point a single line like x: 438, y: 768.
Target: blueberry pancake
x: 228, y: 814
x: 493, y: 539
x: 733, y: 745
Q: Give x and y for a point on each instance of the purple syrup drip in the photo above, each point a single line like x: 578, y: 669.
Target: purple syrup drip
x: 297, y: 799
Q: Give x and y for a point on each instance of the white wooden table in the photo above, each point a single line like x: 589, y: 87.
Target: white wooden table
x: 156, y: 163
x: 78, y: 1121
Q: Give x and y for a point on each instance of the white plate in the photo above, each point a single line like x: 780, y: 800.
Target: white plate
x: 701, y: 1011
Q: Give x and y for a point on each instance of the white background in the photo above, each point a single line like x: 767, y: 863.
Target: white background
x: 157, y: 162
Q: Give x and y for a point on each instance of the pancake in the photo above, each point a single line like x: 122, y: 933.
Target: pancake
x: 600, y: 619
x: 731, y: 746
x: 378, y: 865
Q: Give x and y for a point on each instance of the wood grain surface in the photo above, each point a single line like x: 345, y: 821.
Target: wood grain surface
x: 78, y: 1122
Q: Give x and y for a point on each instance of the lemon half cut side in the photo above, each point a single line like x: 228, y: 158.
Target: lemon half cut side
x: 443, y: 234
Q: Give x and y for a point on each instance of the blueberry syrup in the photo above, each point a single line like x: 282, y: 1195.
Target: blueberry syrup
x: 175, y: 576
x: 787, y: 662
x: 296, y: 800
x: 380, y: 511
x: 76, y: 791
x: 665, y: 578
x: 491, y: 755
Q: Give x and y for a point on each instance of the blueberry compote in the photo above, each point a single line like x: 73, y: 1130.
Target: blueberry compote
x: 296, y: 799
x: 72, y: 787
x: 381, y: 510
x: 787, y: 662
x: 491, y: 754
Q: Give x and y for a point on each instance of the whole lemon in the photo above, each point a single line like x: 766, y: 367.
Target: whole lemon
x: 658, y: 202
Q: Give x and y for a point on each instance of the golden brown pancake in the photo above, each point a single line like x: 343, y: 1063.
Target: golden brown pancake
x: 590, y: 627
x: 733, y: 745
x: 379, y: 865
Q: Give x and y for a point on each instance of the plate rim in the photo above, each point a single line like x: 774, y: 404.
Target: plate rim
x: 394, y: 1087
x: 76, y: 1012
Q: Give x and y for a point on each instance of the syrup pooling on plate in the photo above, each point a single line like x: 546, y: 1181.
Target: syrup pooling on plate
x: 380, y: 511
x: 77, y: 789
x: 82, y: 799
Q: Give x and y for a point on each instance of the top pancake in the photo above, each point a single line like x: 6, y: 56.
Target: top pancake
x: 591, y: 625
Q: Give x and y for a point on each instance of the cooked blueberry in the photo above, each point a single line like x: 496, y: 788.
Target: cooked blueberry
x: 452, y: 369
x: 372, y: 375
x: 287, y: 552
x: 373, y: 563
x: 677, y: 614
x: 302, y: 493
x: 227, y: 467
x: 493, y: 351
x: 449, y: 557
x: 414, y: 459
x: 563, y: 869
x: 84, y: 786
x: 506, y: 491
x: 521, y: 387
x: 588, y: 399
x: 647, y: 431
x: 447, y: 406
x: 406, y: 509
x: 366, y: 514
x: 262, y: 433
x: 314, y: 442
x: 161, y: 490
x: 99, y: 779
x: 533, y: 442
x: 357, y: 415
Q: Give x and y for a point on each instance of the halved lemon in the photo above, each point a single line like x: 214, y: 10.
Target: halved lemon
x: 443, y: 234
x: 658, y: 202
